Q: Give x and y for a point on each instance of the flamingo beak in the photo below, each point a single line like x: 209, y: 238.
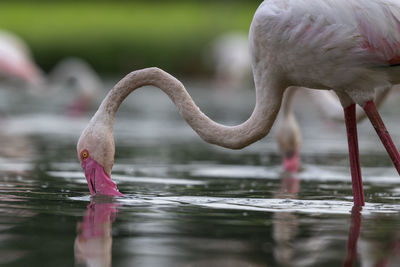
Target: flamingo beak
x: 98, y: 180
x: 291, y: 163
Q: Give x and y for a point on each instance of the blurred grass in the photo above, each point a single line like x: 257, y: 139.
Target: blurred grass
x: 119, y: 37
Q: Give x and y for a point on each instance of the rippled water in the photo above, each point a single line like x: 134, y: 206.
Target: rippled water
x: 188, y: 203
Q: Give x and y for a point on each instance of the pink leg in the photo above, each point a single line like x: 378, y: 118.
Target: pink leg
x: 351, y: 126
x: 376, y: 120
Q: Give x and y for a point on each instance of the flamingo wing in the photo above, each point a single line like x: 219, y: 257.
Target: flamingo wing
x: 379, y: 25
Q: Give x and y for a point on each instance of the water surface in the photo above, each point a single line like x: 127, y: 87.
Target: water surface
x: 188, y: 203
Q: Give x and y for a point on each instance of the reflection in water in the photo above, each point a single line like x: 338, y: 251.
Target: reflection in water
x: 372, y: 253
x: 94, y: 241
x: 392, y: 257
x: 286, y: 227
x: 286, y: 223
x: 381, y: 246
x: 354, y: 233
x: 16, y: 146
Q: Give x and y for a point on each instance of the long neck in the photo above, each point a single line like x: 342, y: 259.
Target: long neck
x: 288, y: 100
x: 234, y: 137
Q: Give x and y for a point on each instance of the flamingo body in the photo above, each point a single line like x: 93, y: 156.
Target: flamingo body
x: 322, y: 44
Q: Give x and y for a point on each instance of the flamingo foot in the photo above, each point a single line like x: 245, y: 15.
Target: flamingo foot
x: 356, y: 178
x: 376, y: 120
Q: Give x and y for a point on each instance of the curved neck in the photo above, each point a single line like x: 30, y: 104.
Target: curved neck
x: 234, y: 137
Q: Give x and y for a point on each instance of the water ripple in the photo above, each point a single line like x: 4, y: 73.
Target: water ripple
x: 314, y: 207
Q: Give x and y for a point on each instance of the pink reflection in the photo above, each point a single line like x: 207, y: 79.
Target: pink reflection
x: 285, y: 224
x: 94, y: 240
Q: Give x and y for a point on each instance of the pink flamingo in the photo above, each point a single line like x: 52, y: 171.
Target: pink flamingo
x: 16, y: 61
x: 347, y: 46
x: 288, y: 134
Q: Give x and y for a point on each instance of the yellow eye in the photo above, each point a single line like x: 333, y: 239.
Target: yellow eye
x: 84, y: 154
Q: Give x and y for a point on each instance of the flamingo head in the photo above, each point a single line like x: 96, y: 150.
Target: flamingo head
x: 96, y: 154
x: 289, y: 141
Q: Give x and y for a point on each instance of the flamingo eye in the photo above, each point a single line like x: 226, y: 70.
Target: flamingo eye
x: 84, y: 154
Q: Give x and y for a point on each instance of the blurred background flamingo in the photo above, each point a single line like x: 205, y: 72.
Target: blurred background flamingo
x: 16, y: 61
x: 74, y: 74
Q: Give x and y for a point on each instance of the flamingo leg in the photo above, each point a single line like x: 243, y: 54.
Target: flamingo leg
x: 354, y: 234
x: 356, y: 179
x: 376, y: 120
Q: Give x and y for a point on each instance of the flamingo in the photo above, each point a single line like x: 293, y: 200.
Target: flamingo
x: 16, y: 63
x: 348, y: 46
x: 288, y: 134
x: 85, y: 79
x: 232, y: 64
x: 16, y: 60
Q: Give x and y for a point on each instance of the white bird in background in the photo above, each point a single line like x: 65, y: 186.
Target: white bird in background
x: 231, y: 61
x: 16, y: 62
x: 80, y: 76
x: 351, y: 47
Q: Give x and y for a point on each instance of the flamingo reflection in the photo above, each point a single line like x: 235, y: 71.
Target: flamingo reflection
x: 286, y: 223
x: 94, y: 240
x: 354, y: 234
x: 388, y: 256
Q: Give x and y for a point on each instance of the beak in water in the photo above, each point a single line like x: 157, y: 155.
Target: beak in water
x: 291, y: 163
x: 98, y: 181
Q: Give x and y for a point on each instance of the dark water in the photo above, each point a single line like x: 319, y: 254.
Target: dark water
x: 188, y: 203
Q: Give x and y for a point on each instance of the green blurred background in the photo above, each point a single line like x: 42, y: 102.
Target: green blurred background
x: 116, y: 37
